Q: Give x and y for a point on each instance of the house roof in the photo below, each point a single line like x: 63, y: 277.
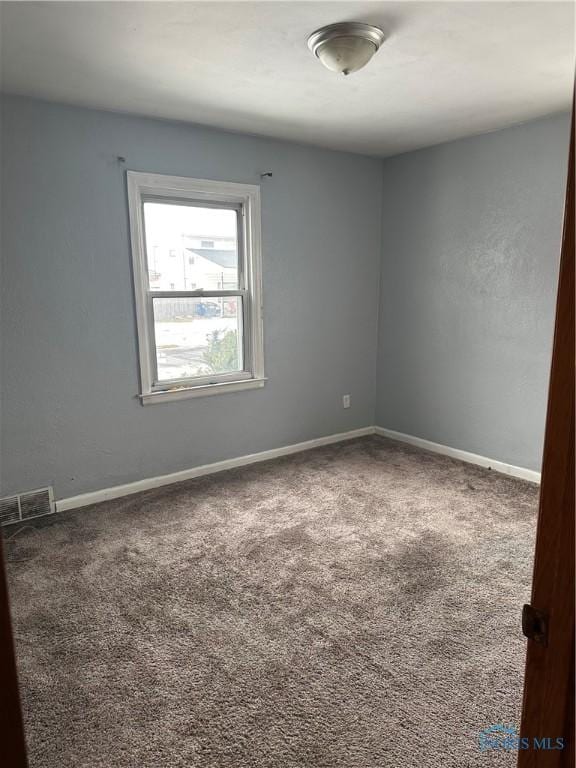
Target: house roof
x: 226, y: 259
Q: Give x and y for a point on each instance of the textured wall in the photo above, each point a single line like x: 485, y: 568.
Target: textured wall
x: 70, y: 376
x: 470, y: 244
x: 471, y: 236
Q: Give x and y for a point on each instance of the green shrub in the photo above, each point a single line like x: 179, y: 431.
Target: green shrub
x: 222, y: 352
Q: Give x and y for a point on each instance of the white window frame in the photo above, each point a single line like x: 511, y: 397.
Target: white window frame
x: 246, y: 199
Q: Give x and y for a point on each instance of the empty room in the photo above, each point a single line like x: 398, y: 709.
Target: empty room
x: 287, y: 384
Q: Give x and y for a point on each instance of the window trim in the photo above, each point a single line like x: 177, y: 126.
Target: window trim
x: 144, y: 186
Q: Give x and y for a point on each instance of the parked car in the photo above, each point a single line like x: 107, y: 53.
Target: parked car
x: 208, y: 309
x: 230, y: 308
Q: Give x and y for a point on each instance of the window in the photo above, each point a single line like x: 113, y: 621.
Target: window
x: 199, y: 315
x: 207, y: 244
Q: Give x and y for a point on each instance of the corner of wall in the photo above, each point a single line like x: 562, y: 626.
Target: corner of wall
x: 379, y: 354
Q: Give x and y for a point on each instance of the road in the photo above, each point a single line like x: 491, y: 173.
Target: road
x: 181, y: 345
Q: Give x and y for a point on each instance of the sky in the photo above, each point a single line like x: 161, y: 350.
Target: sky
x: 166, y: 222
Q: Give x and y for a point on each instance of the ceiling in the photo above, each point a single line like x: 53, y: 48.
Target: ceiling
x: 446, y: 70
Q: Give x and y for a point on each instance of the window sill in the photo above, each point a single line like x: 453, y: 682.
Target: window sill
x: 169, y: 395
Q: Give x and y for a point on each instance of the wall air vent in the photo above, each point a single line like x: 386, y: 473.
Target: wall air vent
x: 23, y: 506
x: 9, y: 510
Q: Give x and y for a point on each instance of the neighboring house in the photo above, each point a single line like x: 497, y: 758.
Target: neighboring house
x: 194, y: 262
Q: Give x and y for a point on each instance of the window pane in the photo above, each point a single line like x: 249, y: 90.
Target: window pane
x: 197, y: 337
x: 189, y: 247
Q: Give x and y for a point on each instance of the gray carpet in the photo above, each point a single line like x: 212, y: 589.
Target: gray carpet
x: 355, y: 606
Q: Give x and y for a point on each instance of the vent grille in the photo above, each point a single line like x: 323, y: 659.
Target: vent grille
x: 35, y: 503
x: 9, y: 510
x: 23, y: 506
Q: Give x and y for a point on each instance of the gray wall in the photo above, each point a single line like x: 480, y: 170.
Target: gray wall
x: 70, y: 374
x: 465, y: 239
x: 471, y: 236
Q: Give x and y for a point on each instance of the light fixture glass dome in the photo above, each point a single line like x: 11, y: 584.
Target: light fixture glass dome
x: 345, y: 47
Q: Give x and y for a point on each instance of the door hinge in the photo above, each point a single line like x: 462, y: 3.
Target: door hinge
x: 535, y: 624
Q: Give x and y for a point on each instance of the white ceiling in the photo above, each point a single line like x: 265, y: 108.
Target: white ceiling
x: 448, y: 69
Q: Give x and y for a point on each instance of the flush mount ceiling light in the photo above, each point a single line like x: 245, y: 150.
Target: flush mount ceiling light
x: 345, y: 47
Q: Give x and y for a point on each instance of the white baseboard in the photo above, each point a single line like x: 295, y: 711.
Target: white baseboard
x: 105, y: 494
x: 94, y: 497
x: 455, y: 453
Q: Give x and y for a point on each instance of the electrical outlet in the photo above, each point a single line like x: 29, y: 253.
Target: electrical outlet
x: 345, y: 401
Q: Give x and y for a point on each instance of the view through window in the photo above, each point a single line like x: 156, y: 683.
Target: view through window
x: 194, y: 249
